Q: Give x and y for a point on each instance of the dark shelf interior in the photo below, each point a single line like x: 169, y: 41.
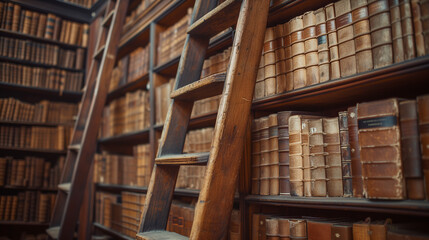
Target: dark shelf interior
x: 111, y: 232
x: 7, y: 150
x: 139, y: 83
x: 124, y: 143
x: 7, y: 122
x: 34, y: 64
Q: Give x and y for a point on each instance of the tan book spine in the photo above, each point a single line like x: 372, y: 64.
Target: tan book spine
x: 418, y: 27
x: 15, y: 17
x: 346, y: 161
x: 274, y: 154
x: 305, y: 135
x: 322, y: 45
x: 332, y: 41
x: 41, y: 26
x: 407, y: 30
x: 346, y: 44
x: 311, y: 48
x: 295, y: 156
x: 381, y: 33
x: 264, y: 188
x: 362, y: 35
x: 27, y: 22
x: 280, y: 60
x: 288, y: 56
x: 284, y: 229
x: 34, y: 23
x: 333, y: 159
x: 397, y: 41
x: 283, y: 128
x: 50, y: 22
x: 260, y: 83
x: 270, y: 45
x: 272, y: 228
x: 317, y: 158
x: 298, y: 52
x: 298, y: 229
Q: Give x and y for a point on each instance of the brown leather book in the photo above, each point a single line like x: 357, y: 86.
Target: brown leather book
x: 50, y: 23
x: 27, y: 22
x: 288, y: 56
x: 41, y: 26
x: 34, y: 23
x: 270, y: 45
x: 416, y: 8
x: 318, y: 230
x: 305, y: 134
x: 15, y: 17
x: 380, y: 149
x: 284, y: 229
x: 298, y: 52
x: 272, y: 228
x: 361, y: 230
x: 346, y: 161
x: 295, y: 156
x: 311, y: 50
x: 259, y: 226
x: 422, y: 109
x: 322, y: 45
x: 256, y: 156
x: 381, y: 33
x: 333, y: 159
x: 317, y: 159
x: 397, y: 41
x: 362, y: 35
x: 283, y: 130
x: 410, y: 150
x: 332, y: 41
x: 260, y: 83
x: 280, y: 59
x: 356, y: 165
x: 346, y: 43
x: 264, y: 187
x: 407, y: 29
x: 341, y: 231
x: 274, y: 154
x: 298, y: 229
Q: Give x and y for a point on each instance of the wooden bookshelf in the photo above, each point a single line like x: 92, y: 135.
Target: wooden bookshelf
x: 139, y: 83
x: 34, y: 64
x: 25, y: 188
x: 19, y: 223
x: 111, y: 232
x: 34, y: 123
x: 124, y: 143
x: 11, y: 150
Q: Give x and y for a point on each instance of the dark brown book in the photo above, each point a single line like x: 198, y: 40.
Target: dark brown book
x: 416, y: 6
x: 422, y: 109
x: 362, y: 37
x: 410, y: 150
x: 50, y: 23
x: 397, y: 40
x: 346, y: 43
x: 356, y: 165
x: 273, y: 138
x: 15, y: 17
x: 332, y: 41
x: 34, y: 24
x: 283, y: 128
x: 259, y: 227
x: 319, y: 230
x: 332, y: 149
x: 361, y: 230
x: 288, y: 56
x: 346, y: 161
x: 342, y: 231
x: 380, y: 149
x: 407, y: 29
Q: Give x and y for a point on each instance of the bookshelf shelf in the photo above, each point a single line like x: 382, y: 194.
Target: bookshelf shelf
x: 139, y: 83
x: 19, y: 223
x: 34, y: 123
x: 201, y: 121
x: 114, y: 188
x: 9, y: 33
x: 34, y: 64
x: 111, y: 232
x: 168, y: 68
x: 124, y: 143
x: 8, y: 149
x: 24, y: 188
x: 43, y: 93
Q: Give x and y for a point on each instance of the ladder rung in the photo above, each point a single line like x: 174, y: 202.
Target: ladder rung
x: 160, y: 235
x: 74, y: 147
x: 108, y: 19
x: 53, y: 232
x: 207, y: 87
x: 64, y: 187
x: 222, y: 17
x: 183, y: 159
x: 99, y: 52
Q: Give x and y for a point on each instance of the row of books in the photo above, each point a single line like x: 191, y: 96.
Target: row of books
x: 83, y: 3
x: 277, y: 227
x: 369, y: 146
x: 136, y: 13
x: 126, y: 114
x: 124, y: 170
x: 204, y: 106
x: 40, y: 77
x: 55, y: 138
x: 42, y: 53
x: 49, y: 26
x: 192, y: 177
x: 217, y: 63
x: 27, y: 206
x: 12, y: 109
x: 341, y: 39
x: 138, y: 63
x: 172, y: 39
x: 30, y: 172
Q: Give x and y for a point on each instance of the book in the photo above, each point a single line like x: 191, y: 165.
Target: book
x: 298, y: 52
x: 380, y: 146
x: 273, y: 145
x: 356, y: 166
x: 311, y: 48
x: 298, y: 228
x: 418, y: 27
x: 288, y: 56
x: 362, y: 36
x: 346, y: 162
x: 280, y: 59
x: 283, y: 143
x: 256, y: 157
x: 319, y: 229
x: 346, y: 44
x: 331, y: 140
x: 269, y: 55
x: 264, y: 185
x: 295, y: 156
x: 332, y: 41
x: 272, y: 228
x: 342, y: 231
x: 422, y: 106
x: 322, y: 45
x: 316, y: 159
x: 407, y: 30
x: 397, y: 40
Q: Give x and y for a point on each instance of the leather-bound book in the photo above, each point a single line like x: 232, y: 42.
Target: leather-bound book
x: 418, y: 27
x: 346, y: 43
x: 270, y: 62
x: 27, y: 22
x: 407, y: 29
x: 256, y: 156
x: 305, y: 134
x: 317, y: 159
x: 259, y: 226
x: 356, y: 165
x: 311, y: 50
x: 260, y: 83
x: 333, y: 158
x: 346, y: 161
x: 397, y: 41
x: 272, y: 228
x: 319, y: 230
x: 381, y: 33
x: 342, y: 231
x: 15, y: 17
x: 284, y: 229
x: 50, y: 23
x: 332, y: 41
x: 274, y: 154
x: 423, y: 111
x: 283, y: 130
x: 264, y: 184
x: 280, y: 59
x: 288, y: 56
x: 8, y: 16
x: 298, y: 229
x: 361, y: 230
x: 362, y: 36
x: 380, y: 149
x: 41, y: 26
x: 295, y: 156
x: 298, y: 52
x: 34, y: 23
x: 378, y: 229
x: 410, y: 150
x: 322, y: 45
x: 408, y: 231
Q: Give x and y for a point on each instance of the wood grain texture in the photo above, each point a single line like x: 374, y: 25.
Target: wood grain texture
x: 207, y: 87
x: 183, y: 159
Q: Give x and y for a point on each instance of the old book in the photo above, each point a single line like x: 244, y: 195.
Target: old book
x: 305, y: 139
x: 342, y: 231
x: 260, y: 83
x: 317, y: 159
x: 346, y: 161
x: 416, y: 6
x: 15, y: 17
x: 50, y: 23
x: 380, y: 149
x: 41, y: 26
x: 346, y: 44
x: 407, y: 29
x: 272, y: 228
x: 322, y: 45
x: 298, y: 229
x: 362, y: 37
x: 259, y: 226
x: 85, y: 35
x: 378, y: 229
x: 423, y: 113
x: 331, y: 140
x: 27, y: 22
x: 332, y: 41
x: 283, y: 130
x: 318, y: 229
x: 264, y: 185
x: 410, y: 150
x: 356, y: 166
x: 381, y: 33
x: 280, y: 59
x: 361, y: 230
x: 273, y: 138
x: 288, y: 56
x: 298, y: 52
x: 397, y: 40
x: 256, y: 156
x: 270, y: 45
x: 295, y: 156
x: 311, y: 48
x: 284, y: 229
x: 34, y: 23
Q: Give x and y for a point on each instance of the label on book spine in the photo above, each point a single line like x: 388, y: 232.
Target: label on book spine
x: 388, y: 121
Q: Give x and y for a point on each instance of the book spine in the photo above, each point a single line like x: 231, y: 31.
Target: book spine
x: 346, y: 161
x: 264, y: 187
x: 356, y: 165
x: 322, y: 45
x: 50, y: 22
x: 298, y: 52
x: 305, y: 135
x: 317, y: 158
x: 274, y: 153
x: 15, y: 17
x: 295, y: 157
x: 298, y: 229
x: 418, y: 27
x: 311, y: 50
x: 381, y: 34
x: 280, y: 59
x: 288, y: 56
x: 283, y: 128
x: 397, y: 40
x: 260, y: 84
x: 346, y: 44
x: 272, y: 228
x: 423, y: 113
x: 407, y: 30
x: 362, y: 36
x: 332, y: 41
x: 379, y: 140
x: 270, y: 45
x: 333, y: 159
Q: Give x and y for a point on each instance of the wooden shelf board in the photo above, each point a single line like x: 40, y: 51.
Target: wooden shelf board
x: 33, y: 150
x: 197, y: 122
x: 139, y: 83
x: 35, y: 224
x: 168, y: 68
x: 10, y: 122
x: 111, y: 232
x: 398, y: 80
x: 114, y: 188
x: 44, y: 93
x: 409, y: 207
x: 28, y: 188
x: 34, y: 64
x: 124, y: 143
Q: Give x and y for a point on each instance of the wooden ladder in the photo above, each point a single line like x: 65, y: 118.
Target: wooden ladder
x: 84, y: 141
x: 216, y: 198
